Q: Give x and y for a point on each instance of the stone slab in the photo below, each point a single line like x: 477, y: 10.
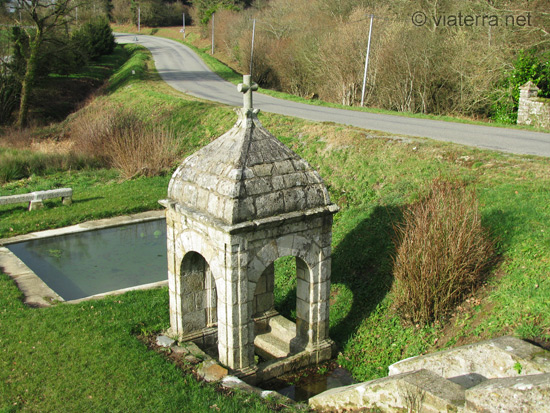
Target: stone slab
x: 232, y: 382
x: 165, y: 341
x: 491, y: 359
x: 209, y: 370
x: 420, y: 390
x: 514, y: 394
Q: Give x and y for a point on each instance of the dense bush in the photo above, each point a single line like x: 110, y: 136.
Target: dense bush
x: 94, y: 39
x: 529, y: 66
x: 442, y: 253
x: 9, y: 94
x: 153, y: 13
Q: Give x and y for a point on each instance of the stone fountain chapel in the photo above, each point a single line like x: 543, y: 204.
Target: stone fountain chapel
x: 233, y: 208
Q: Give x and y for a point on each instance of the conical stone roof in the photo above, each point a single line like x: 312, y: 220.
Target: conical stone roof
x: 245, y: 175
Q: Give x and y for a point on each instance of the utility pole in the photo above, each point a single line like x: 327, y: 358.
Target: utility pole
x: 252, y: 48
x: 139, y: 19
x: 183, y: 26
x: 213, y: 33
x: 366, y: 62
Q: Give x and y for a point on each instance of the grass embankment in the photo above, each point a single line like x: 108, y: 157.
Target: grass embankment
x: 227, y: 68
x: 86, y: 356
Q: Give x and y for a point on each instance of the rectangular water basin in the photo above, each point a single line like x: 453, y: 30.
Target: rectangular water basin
x: 88, y: 263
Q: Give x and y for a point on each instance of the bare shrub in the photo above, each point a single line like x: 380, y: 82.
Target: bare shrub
x: 442, y: 252
x: 92, y: 129
x: 231, y: 26
x: 134, y: 149
x: 17, y: 138
x: 342, y: 67
x: 121, y: 139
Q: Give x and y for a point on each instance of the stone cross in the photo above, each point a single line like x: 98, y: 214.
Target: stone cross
x: 246, y: 89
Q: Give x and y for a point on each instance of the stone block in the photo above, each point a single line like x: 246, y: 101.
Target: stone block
x: 269, y: 252
x: 514, y: 394
x: 263, y: 169
x: 414, y: 391
x: 193, y: 321
x: 301, y: 165
x: 245, y: 210
x: 258, y: 186
x: 35, y: 205
x: 491, y: 359
x: 302, y: 309
x: 278, y: 183
x: 261, y: 285
x: 202, y: 199
x: 284, y: 167
x: 302, y: 289
x: 256, y: 267
x: 270, y: 280
x: 263, y: 302
x: 211, y: 371
x: 284, y: 245
x: 188, y: 303
x: 164, y: 341
x: 323, y: 270
x: 269, y: 204
x: 191, y: 193
x: 192, y: 281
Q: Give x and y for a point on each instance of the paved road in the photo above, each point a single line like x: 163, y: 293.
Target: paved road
x: 181, y: 68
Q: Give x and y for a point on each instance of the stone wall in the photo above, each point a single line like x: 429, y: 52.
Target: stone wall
x: 533, y: 110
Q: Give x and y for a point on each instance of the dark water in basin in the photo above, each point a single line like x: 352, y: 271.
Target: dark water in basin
x: 309, y: 384
x: 92, y: 262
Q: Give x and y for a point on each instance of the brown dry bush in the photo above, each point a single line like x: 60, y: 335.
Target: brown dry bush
x: 120, y: 139
x: 136, y: 149
x: 318, y: 47
x: 442, y: 253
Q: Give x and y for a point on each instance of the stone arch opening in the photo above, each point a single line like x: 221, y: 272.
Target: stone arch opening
x: 198, y: 294
x: 280, y: 302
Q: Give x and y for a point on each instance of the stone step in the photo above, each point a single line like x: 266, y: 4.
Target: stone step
x: 420, y: 390
x: 282, y: 328
x: 269, y: 346
x: 501, y: 357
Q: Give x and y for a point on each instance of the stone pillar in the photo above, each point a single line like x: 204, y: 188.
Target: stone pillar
x: 526, y: 92
x: 313, y: 295
x: 235, y: 324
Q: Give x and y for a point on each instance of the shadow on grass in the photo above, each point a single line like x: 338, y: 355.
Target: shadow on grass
x: 361, y: 264
x: 502, y: 226
x: 89, y: 199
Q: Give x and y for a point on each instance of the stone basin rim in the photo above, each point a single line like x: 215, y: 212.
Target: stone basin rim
x: 35, y: 291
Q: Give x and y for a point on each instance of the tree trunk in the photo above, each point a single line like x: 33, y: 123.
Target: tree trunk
x: 29, y: 78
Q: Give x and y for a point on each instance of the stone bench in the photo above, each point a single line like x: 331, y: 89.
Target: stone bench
x: 35, y: 199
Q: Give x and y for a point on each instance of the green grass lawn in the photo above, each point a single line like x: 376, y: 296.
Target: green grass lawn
x: 87, y: 356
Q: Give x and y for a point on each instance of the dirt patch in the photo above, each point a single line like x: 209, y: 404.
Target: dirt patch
x: 476, y: 308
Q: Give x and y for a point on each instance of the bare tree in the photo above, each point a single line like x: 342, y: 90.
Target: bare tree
x: 38, y: 19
